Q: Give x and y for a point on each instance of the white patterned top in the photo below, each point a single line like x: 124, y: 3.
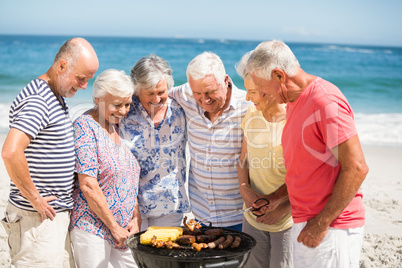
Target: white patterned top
x: 161, y: 153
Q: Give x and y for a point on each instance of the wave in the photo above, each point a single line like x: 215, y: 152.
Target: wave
x: 384, y: 129
x: 380, y: 129
x: 351, y: 49
x: 4, y: 108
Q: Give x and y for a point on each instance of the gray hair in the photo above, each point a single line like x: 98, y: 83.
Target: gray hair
x: 114, y: 82
x: 207, y: 63
x: 149, y: 71
x: 269, y: 55
x: 241, y: 66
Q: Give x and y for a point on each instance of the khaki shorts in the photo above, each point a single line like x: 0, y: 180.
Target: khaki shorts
x: 34, y: 243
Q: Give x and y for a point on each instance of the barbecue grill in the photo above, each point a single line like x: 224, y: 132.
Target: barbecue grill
x: 147, y: 256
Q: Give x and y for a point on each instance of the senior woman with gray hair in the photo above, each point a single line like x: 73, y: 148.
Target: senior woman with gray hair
x: 105, y: 210
x: 156, y: 129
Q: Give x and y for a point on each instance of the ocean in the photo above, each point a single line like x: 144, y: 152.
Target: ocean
x: 370, y: 77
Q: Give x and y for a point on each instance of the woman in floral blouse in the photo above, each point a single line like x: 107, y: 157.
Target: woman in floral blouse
x: 156, y: 129
x: 106, y: 209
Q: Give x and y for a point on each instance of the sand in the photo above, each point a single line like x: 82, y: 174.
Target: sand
x: 382, y: 189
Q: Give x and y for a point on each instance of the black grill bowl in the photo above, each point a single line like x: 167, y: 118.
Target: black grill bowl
x: 151, y: 257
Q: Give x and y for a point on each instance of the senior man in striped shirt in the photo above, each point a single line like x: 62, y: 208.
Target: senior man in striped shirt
x: 214, y: 109
x: 39, y: 157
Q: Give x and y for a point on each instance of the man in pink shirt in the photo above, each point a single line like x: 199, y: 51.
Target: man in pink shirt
x: 323, y: 157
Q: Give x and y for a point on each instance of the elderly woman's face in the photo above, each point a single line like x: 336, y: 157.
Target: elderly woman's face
x: 153, y: 100
x: 112, y: 108
x: 260, y: 100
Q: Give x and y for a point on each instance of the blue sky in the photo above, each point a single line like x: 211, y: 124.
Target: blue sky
x: 370, y: 22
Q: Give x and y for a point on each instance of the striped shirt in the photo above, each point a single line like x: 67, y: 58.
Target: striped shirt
x: 214, y: 150
x: 50, y: 155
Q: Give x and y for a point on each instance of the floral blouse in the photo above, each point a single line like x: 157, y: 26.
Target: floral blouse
x: 161, y: 153
x: 117, y: 172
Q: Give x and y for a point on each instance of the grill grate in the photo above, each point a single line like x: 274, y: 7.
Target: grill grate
x: 247, y: 243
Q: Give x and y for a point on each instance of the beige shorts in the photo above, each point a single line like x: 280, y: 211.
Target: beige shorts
x: 34, y: 243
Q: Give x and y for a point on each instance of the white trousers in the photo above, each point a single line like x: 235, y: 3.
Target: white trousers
x: 91, y: 251
x: 339, y: 248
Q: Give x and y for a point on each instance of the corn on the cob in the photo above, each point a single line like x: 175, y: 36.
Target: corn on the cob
x: 161, y: 233
x: 179, y: 229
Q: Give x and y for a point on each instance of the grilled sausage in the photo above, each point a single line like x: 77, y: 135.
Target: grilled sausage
x: 186, y: 239
x: 216, y: 242
x: 215, y: 232
x: 236, y: 242
x: 187, y: 232
x: 194, y: 233
x: 205, y: 238
x: 228, y: 242
x: 197, y: 232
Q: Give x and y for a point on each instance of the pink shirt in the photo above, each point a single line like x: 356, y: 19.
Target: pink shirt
x: 319, y: 120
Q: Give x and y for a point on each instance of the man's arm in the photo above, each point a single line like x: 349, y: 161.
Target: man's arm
x: 352, y: 174
x: 179, y: 93
x: 172, y: 93
x: 17, y: 168
x: 279, y: 197
x: 274, y: 216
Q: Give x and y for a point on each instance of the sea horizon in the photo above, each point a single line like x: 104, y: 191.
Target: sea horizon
x: 182, y: 37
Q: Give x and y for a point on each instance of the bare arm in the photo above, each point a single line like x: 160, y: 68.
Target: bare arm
x: 279, y: 206
x: 275, y: 215
x: 279, y: 200
x: 134, y: 225
x: 248, y: 194
x: 17, y: 168
x: 97, y: 202
x: 276, y: 199
x: 352, y: 174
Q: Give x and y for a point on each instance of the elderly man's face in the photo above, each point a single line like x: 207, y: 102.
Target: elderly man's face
x: 271, y: 87
x: 72, y: 79
x: 209, y: 94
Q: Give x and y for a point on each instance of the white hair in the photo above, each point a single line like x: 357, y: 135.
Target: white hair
x: 205, y: 64
x: 114, y: 82
x: 269, y: 55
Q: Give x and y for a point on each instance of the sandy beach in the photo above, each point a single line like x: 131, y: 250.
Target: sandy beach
x: 382, y: 246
